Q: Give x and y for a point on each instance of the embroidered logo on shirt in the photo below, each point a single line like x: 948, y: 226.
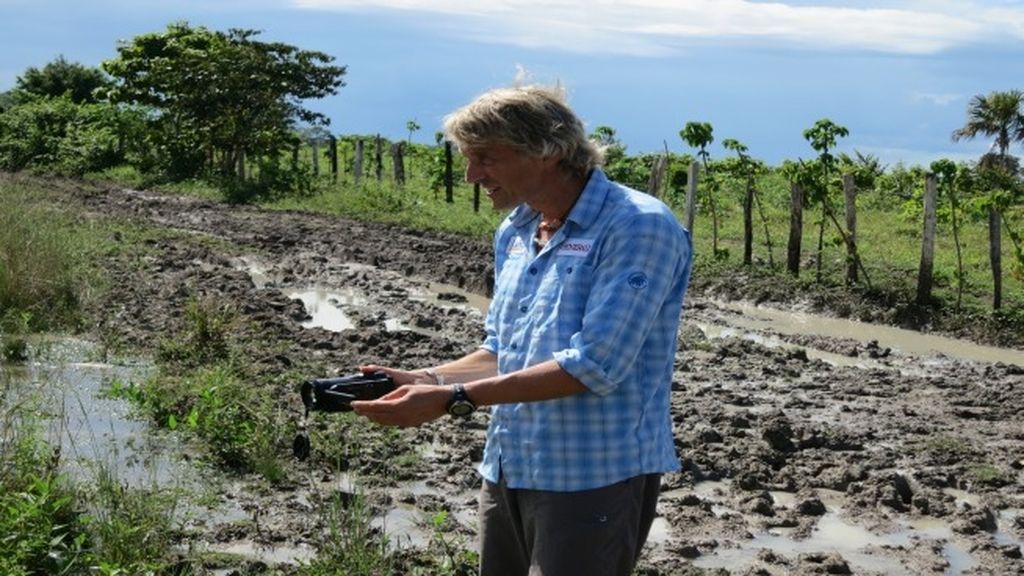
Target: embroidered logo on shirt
x: 516, y: 247
x: 637, y: 280
x: 577, y: 247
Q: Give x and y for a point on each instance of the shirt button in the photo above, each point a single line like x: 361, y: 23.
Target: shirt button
x: 523, y: 308
x: 533, y: 271
x: 569, y: 271
x: 514, y: 346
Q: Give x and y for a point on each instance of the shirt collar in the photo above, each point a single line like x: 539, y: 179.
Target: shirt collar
x: 583, y: 213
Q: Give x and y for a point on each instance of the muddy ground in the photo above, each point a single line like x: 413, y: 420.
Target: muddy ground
x: 887, y: 464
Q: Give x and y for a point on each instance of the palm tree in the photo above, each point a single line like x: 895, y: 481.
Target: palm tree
x: 999, y: 114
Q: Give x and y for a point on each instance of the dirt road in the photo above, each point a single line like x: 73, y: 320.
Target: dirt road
x: 888, y: 463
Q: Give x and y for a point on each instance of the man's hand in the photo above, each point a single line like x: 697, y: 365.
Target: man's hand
x: 400, y: 377
x: 409, y: 405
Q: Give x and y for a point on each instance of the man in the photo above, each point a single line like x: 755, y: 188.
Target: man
x: 578, y: 357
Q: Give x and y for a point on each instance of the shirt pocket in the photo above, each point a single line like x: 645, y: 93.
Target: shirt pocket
x: 562, y: 296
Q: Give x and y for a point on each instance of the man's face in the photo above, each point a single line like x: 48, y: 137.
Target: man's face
x: 510, y: 176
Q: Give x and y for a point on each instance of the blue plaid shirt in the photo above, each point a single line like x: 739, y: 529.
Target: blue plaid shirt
x: 603, y: 299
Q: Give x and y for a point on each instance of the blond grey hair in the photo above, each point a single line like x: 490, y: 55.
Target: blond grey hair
x: 533, y: 119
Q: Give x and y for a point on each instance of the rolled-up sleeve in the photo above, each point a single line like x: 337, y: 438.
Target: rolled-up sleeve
x: 640, y: 263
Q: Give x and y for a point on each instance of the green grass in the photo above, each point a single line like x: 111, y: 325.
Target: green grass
x: 203, y: 390
x: 350, y: 545
x: 49, y: 260
x: 412, y: 205
x: 888, y: 244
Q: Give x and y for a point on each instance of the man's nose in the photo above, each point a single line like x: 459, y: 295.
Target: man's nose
x: 473, y: 173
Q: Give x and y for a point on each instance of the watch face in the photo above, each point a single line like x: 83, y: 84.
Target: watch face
x: 461, y: 408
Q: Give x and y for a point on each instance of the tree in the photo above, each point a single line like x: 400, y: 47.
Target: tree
x: 56, y: 135
x: 700, y: 135
x: 619, y: 166
x: 822, y: 137
x: 747, y: 169
x: 82, y: 84
x: 952, y: 180
x: 219, y: 97
x: 997, y: 114
x: 866, y: 168
x: 604, y: 136
x: 411, y: 126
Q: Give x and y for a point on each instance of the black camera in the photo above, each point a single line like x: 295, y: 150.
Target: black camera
x: 337, y: 394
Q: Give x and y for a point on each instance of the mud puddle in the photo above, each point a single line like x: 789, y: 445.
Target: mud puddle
x: 756, y: 319
x: 95, y: 433
x: 337, y: 307
x: 865, y: 550
x: 101, y: 439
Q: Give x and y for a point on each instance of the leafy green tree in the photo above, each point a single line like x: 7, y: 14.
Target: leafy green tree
x: 952, y: 181
x: 866, y: 168
x: 700, y: 135
x: 411, y: 126
x: 999, y: 114
x: 220, y: 97
x: 605, y: 137
x: 81, y: 83
x: 747, y: 169
x: 628, y: 170
x: 8, y: 100
x: 822, y: 137
x: 55, y: 135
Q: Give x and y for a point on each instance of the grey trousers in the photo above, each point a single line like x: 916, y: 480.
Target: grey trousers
x: 540, y: 533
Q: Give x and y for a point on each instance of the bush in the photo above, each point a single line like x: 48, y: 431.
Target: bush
x: 55, y: 135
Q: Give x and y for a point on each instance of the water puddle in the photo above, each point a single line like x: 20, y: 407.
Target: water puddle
x: 753, y: 317
x: 862, y: 549
x: 448, y: 295
x: 324, y: 307
x: 715, y: 331
x: 67, y: 393
x: 94, y: 433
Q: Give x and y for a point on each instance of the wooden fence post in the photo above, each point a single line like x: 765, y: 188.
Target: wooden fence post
x: 476, y: 197
x: 449, y: 181
x: 924, y: 271
x: 334, y: 159
x: 357, y: 168
x: 691, y: 194
x: 748, y: 223
x: 850, y: 195
x: 796, y: 228
x: 995, y: 256
x: 316, y: 157
x: 658, y: 169
x: 398, y: 162
x: 378, y: 158
x: 295, y: 155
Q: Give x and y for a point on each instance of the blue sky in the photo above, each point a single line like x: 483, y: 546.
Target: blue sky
x: 897, y: 74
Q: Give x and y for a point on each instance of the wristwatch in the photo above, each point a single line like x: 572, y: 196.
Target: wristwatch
x: 460, y: 405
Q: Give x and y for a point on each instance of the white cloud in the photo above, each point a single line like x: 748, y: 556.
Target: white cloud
x: 937, y: 99
x: 658, y: 26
